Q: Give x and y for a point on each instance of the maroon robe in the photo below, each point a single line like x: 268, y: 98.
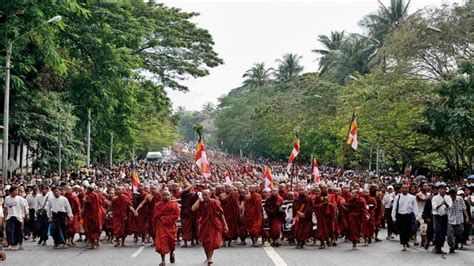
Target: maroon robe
x: 165, y: 215
x: 230, y: 205
x: 210, y: 225
x: 357, y: 212
x: 302, y: 226
x: 188, y: 217
x: 120, y: 207
x: 275, y: 216
x: 73, y: 226
x: 253, y: 216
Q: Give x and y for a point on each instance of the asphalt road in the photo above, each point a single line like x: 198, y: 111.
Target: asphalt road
x: 385, y: 252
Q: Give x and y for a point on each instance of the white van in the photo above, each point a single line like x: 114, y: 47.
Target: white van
x: 154, y: 156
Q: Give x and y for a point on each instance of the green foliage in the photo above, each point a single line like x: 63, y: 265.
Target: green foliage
x: 258, y: 75
x: 111, y: 57
x: 289, y: 66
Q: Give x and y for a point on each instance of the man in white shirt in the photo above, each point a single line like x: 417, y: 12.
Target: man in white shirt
x: 421, y: 198
x: 440, y: 203
x: 388, y: 204
x: 42, y: 221
x: 58, y: 211
x: 30, y: 224
x: 403, y: 213
x: 17, y: 209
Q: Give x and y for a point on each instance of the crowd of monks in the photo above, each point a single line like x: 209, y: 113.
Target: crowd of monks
x: 174, y: 206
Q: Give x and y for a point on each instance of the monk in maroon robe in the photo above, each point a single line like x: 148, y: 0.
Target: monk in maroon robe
x: 368, y: 227
x: 121, y: 204
x: 165, y: 215
x: 73, y: 226
x: 325, y: 210
x: 230, y: 204
x: 253, y: 215
x: 148, y: 204
x: 93, y: 215
x: 138, y: 223
x: 188, y: 217
x: 275, y: 216
x: 302, y: 217
x: 211, y: 223
x: 357, y: 212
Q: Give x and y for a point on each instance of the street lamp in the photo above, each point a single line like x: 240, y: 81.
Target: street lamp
x: 6, y: 105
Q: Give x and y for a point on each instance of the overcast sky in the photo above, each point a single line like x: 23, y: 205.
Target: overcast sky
x: 246, y: 32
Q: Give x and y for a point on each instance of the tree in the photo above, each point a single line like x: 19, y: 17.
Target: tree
x: 450, y: 120
x: 387, y: 19
x: 433, y: 42
x: 331, y: 45
x: 288, y: 67
x: 257, y: 76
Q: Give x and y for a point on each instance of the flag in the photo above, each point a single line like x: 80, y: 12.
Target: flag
x: 201, y: 159
x: 228, y: 179
x: 294, y: 153
x: 352, y: 140
x: 268, y: 178
x: 135, y: 179
x: 316, y: 173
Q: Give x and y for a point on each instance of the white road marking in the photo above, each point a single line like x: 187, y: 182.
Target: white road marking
x: 138, y: 251
x: 274, y: 256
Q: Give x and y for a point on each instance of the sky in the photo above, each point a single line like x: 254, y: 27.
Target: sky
x: 246, y: 32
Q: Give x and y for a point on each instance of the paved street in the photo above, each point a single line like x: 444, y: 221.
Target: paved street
x: 375, y: 254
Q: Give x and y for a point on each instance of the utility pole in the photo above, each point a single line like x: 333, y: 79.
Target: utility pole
x: 370, y: 159
x: 377, y: 169
x: 60, y: 144
x: 111, y: 148
x: 6, y: 113
x: 88, y: 138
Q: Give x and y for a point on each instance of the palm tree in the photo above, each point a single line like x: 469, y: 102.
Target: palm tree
x: 289, y: 66
x: 331, y: 45
x: 257, y: 76
x: 381, y: 23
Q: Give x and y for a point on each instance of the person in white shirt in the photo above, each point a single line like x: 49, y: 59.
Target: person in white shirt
x: 440, y: 203
x: 42, y: 221
x: 30, y: 224
x: 388, y: 204
x: 2, y: 253
x: 421, y: 198
x: 17, y: 209
x: 58, y: 211
x: 404, y: 213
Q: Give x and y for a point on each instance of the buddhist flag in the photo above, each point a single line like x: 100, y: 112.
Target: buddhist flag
x: 294, y: 153
x: 135, y: 179
x: 316, y: 173
x: 268, y: 178
x: 228, y: 179
x: 352, y: 140
x: 201, y: 159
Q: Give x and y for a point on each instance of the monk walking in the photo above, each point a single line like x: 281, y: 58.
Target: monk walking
x: 302, y: 217
x: 325, y: 211
x: 165, y: 215
x: 211, y: 223
x: 188, y: 217
x: 253, y: 215
x: 121, y: 203
x: 93, y: 215
x: 275, y: 216
x: 73, y: 226
x: 230, y: 205
x: 357, y: 212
